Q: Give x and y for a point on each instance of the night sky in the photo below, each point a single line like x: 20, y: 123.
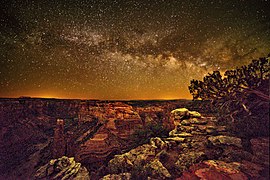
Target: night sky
x: 112, y: 49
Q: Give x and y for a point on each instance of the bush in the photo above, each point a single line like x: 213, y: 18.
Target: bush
x: 143, y: 134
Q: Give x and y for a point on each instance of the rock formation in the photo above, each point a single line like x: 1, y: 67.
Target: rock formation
x: 62, y: 168
x: 94, y: 131
x: 121, y: 176
x: 156, y: 114
x: 214, y: 169
x: 59, y: 142
x: 144, y: 156
x: 118, y: 121
x: 197, y: 148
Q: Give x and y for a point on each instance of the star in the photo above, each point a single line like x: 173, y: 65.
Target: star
x: 124, y: 49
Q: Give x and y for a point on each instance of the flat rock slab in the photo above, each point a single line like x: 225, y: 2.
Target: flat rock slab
x: 225, y: 140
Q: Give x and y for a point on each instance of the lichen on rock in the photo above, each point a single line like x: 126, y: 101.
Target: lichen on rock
x: 195, y: 114
x: 62, y: 168
x: 157, y: 142
x: 225, y: 140
x: 180, y: 113
x: 157, y: 169
x: 125, y: 162
x: 187, y: 159
x: 121, y: 176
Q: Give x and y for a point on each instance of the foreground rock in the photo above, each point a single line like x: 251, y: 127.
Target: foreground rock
x: 213, y: 169
x: 197, y: 148
x: 184, y: 113
x: 62, y: 168
x: 225, y: 141
x: 143, y: 157
x: 122, y: 176
x: 260, y: 148
x: 217, y: 169
x: 156, y: 159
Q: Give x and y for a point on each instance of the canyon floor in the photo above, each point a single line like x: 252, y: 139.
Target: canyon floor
x: 92, y: 139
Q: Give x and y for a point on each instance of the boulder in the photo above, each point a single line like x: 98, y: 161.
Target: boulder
x: 211, y: 130
x: 135, y: 157
x: 187, y: 159
x: 188, y: 129
x: 221, y: 129
x: 194, y: 114
x: 62, y: 168
x: 157, y: 142
x: 189, y: 124
x: 184, y: 134
x: 172, y: 133
x: 176, y: 139
x: 180, y: 113
x: 253, y: 170
x: 197, y: 121
x: 198, y: 133
x: 185, y: 122
x: 213, y: 169
x: 184, y: 113
x: 119, y: 164
x: 260, y: 148
x: 144, y: 157
x: 122, y: 176
x: 225, y: 140
x: 222, y: 166
x: 157, y: 170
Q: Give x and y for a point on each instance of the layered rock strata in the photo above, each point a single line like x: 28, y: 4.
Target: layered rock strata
x: 118, y: 121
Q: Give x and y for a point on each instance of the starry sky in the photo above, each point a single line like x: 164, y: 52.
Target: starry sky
x: 125, y: 49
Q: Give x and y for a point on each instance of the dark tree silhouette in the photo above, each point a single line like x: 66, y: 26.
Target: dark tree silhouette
x: 241, y: 96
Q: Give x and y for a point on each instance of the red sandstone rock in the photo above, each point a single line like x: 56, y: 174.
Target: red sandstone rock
x: 213, y: 170
x: 120, y: 120
x: 251, y: 169
x: 156, y: 114
x: 25, y: 128
x: 59, y: 142
x: 260, y: 148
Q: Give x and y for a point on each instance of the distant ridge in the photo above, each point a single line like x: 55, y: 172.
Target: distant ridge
x: 102, y: 100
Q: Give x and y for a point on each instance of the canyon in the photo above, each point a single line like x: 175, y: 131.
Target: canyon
x: 95, y: 136
x: 35, y: 130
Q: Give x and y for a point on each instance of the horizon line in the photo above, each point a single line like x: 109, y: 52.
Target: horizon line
x: 94, y: 99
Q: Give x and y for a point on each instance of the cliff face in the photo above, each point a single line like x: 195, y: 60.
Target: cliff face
x: 30, y: 134
x: 59, y: 140
x: 118, y: 121
x: 26, y: 133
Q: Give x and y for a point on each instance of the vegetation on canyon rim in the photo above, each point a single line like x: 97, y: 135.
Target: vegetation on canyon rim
x: 241, y: 97
x: 142, y: 135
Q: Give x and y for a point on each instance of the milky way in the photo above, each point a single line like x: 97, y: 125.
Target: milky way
x: 111, y: 49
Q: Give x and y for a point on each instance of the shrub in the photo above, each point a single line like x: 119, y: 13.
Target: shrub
x: 143, y: 134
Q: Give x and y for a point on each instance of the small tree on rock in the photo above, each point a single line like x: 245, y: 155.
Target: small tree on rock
x: 242, y: 94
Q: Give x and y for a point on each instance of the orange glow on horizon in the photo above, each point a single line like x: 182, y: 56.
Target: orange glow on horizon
x: 55, y: 96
